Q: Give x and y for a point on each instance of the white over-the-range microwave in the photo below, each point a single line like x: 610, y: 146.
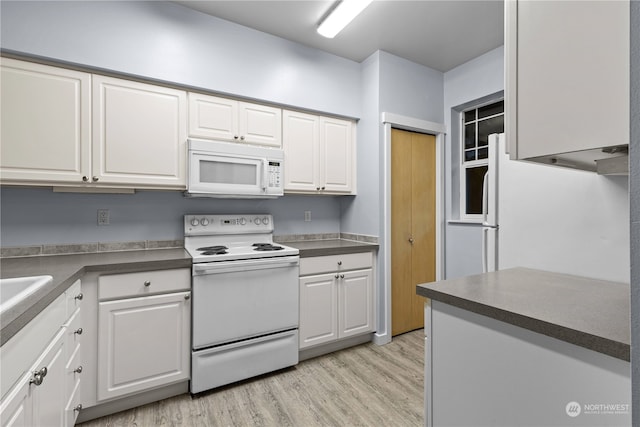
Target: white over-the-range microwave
x: 227, y: 169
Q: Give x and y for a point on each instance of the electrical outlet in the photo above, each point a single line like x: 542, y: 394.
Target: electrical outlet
x: 103, y: 216
x: 307, y: 216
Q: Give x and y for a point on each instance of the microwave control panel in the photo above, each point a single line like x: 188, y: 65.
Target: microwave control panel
x: 275, y: 174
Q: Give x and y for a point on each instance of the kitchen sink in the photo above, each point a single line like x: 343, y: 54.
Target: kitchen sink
x: 17, y: 289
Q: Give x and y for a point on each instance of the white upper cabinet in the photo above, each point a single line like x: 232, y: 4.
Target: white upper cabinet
x: 319, y: 154
x: 567, y: 79
x: 337, y: 159
x: 301, y: 143
x: 68, y: 128
x: 212, y: 117
x: 46, y: 123
x: 139, y: 134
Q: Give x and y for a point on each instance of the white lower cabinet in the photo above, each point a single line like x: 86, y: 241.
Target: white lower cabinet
x: 41, y: 395
x: 143, y: 341
x: 339, y: 304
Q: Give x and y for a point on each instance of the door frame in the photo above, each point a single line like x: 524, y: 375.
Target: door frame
x: 397, y: 121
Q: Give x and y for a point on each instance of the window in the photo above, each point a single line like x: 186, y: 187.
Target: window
x: 477, y: 124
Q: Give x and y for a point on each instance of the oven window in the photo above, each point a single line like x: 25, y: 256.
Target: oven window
x: 228, y: 173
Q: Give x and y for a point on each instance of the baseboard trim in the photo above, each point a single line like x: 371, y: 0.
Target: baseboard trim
x: 122, y: 404
x: 310, y: 353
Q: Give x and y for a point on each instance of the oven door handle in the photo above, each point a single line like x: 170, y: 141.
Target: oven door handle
x: 244, y: 265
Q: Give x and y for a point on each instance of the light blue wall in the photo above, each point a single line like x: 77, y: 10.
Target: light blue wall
x: 479, y: 78
x: 394, y: 85
x: 37, y: 216
x: 360, y: 214
x: 410, y: 89
x: 165, y: 41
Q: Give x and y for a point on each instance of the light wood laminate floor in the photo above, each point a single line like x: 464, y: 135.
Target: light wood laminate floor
x: 367, y: 385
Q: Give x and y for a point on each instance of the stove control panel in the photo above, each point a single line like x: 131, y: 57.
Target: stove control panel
x: 227, y: 224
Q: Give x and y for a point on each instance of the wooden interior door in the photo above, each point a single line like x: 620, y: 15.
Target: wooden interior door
x: 413, y: 225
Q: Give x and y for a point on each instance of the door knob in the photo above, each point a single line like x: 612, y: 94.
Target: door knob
x: 411, y: 240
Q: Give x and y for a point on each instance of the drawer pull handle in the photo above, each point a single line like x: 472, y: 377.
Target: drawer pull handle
x: 342, y: 276
x: 339, y: 262
x: 78, y: 331
x: 187, y: 296
x: 78, y: 370
x: 78, y: 408
x: 337, y: 276
x: 147, y: 283
x: 79, y: 296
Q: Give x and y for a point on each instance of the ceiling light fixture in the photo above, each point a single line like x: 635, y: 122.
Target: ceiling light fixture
x: 341, y: 16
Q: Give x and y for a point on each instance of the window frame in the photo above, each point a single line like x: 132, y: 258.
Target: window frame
x: 465, y: 165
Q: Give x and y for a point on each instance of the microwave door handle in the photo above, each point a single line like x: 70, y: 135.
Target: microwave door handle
x: 265, y: 177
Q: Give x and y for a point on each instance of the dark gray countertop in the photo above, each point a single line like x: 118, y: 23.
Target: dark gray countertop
x: 310, y: 248
x: 66, y: 269
x: 587, y: 312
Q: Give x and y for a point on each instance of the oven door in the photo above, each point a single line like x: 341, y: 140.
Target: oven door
x: 214, y: 174
x: 236, y: 300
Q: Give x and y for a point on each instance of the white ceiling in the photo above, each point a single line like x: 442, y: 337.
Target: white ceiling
x: 440, y: 34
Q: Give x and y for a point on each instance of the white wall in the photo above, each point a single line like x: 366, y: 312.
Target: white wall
x: 479, y: 78
x: 563, y: 220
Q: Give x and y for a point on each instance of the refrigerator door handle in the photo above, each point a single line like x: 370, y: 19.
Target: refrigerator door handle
x: 485, y: 250
x: 485, y: 197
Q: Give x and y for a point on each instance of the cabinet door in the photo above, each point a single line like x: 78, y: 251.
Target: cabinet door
x: 318, y: 310
x: 260, y: 124
x: 16, y: 409
x: 46, y: 123
x: 336, y: 156
x: 139, y: 134
x: 355, y: 303
x: 212, y: 117
x: 301, y: 152
x: 571, y: 78
x: 143, y: 343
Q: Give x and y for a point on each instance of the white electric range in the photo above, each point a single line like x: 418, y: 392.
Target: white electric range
x: 245, y: 299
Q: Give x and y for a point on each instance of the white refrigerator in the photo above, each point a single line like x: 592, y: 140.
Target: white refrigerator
x: 552, y: 218
x: 490, y: 210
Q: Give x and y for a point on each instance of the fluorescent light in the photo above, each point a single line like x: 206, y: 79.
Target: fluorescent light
x: 341, y: 16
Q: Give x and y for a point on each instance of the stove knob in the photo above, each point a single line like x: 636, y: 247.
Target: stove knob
x: 257, y: 221
x: 265, y: 220
x: 204, y: 221
x: 195, y: 222
x: 243, y: 221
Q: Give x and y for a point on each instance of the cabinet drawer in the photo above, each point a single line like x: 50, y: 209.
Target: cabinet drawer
x: 73, y: 371
x: 143, y: 283
x: 74, y: 298
x: 73, y: 407
x: 74, y: 333
x: 325, y: 264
